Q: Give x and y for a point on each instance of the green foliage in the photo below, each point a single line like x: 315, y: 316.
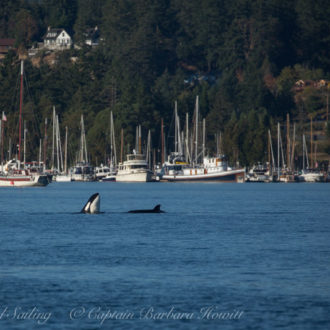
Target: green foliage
x: 242, y: 57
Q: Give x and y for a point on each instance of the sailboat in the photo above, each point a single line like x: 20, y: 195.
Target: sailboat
x: 82, y: 171
x: 64, y: 176
x: 13, y: 174
x: 135, y: 168
x: 308, y: 175
x: 177, y: 168
x: 108, y: 173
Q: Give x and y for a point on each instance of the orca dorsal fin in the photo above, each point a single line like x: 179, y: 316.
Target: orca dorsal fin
x: 157, y: 208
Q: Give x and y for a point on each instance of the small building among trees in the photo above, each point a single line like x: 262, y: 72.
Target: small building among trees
x: 57, y: 39
x: 92, y: 36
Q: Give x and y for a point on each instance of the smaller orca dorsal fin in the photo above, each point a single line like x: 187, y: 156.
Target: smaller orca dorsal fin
x: 157, y: 208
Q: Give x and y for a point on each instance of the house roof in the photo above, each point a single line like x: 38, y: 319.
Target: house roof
x: 52, y: 34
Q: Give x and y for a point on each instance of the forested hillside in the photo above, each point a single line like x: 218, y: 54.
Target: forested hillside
x: 242, y: 57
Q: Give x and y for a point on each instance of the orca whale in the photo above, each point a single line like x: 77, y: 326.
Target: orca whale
x: 93, y: 204
x: 156, y: 209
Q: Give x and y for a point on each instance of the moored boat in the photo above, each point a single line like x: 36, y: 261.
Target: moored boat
x: 259, y: 173
x: 13, y: 176
x: 311, y: 176
x: 212, y: 169
x: 101, y: 172
x: 134, y: 169
x: 82, y: 171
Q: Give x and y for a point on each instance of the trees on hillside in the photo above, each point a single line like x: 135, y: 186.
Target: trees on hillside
x: 241, y: 57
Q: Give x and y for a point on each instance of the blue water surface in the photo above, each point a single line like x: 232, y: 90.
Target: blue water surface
x: 223, y: 256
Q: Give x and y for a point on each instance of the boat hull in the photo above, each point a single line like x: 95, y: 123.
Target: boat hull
x: 23, y: 181
x: 134, y: 177
x: 63, y: 178
x: 109, y: 178
x: 311, y: 177
x: 224, y: 176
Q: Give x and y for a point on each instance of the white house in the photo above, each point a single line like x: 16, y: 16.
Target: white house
x: 57, y: 39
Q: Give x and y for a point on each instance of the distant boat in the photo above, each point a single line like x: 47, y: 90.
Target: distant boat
x: 110, y: 177
x: 134, y: 169
x: 307, y: 174
x: 108, y: 173
x: 212, y: 169
x: 259, y: 173
x: 82, y: 171
x: 311, y: 176
x: 12, y: 175
x: 63, y: 178
x: 101, y: 172
x: 178, y: 167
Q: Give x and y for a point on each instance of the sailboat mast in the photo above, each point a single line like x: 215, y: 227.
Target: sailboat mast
x: 53, y: 147
x: 288, y: 140
x: 66, y: 150
x: 311, y: 142
x: 268, y: 150
x: 149, y: 149
x: 57, y: 145
x: 304, y: 152
x: 293, y: 146
x: 176, y: 126
x: 162, y: 140
x: 110, y: 138
x: 140, y: 149
x: 9, y: 148
x: 45, y: 145
x: 271, y: 149
x: 24, y: 150
x: 327, y: 108
x: 278, y: 151
x: 196, y: 130
x: 2, y: 137
x: 187, y: 138
x: 113, y: 139
x: 20, y: 111
x: 40, y: 148
x: 84, y: 140
x: 121, y: 145
x: 203, y: 138
x: 179, y: 137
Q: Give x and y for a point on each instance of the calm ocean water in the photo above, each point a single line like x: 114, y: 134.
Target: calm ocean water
x: 223, y: 256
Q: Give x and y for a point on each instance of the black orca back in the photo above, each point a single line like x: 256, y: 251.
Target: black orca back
x: 156, y: 209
